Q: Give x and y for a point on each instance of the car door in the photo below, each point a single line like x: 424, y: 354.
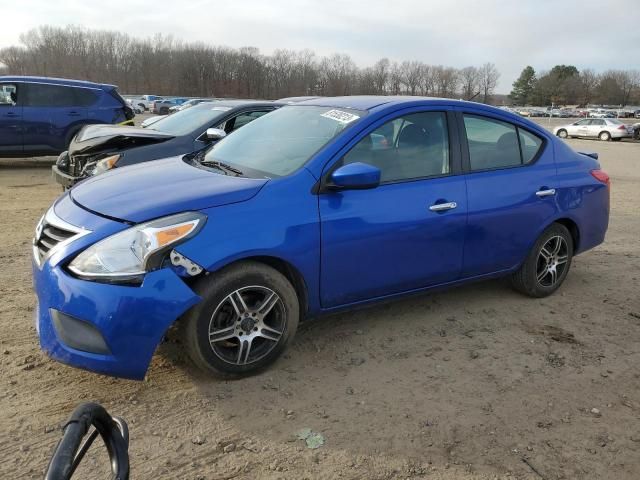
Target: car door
x: 49, y: 113
x: 405, y: 234
x: 579, y: 129
x: 11, y: 117
x: 596, y: 125
x: 511, y: 177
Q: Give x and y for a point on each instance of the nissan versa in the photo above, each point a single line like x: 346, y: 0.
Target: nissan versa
x: 324, y: 205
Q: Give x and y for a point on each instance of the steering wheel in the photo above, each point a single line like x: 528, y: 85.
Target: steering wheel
x: 71, y: 449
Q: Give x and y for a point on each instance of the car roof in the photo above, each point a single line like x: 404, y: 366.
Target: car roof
x: 236, y: 103
x: 56, y: 81
x: 369, y: 102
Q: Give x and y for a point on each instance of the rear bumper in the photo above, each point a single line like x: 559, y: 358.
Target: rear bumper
x: 621, y: 134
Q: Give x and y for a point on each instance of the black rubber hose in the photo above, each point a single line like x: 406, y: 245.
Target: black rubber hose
x: 70, y: 450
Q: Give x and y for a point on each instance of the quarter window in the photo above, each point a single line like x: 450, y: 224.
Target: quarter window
x: 408, y: 147
x: 529, y: 144
x: 496, y: 144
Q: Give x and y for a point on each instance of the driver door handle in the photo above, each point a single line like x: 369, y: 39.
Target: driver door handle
x: 441, y: 207
x: 546, y: 193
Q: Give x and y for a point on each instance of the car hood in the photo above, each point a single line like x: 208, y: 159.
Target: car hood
x: 163, y: 187
x: 95, y: 138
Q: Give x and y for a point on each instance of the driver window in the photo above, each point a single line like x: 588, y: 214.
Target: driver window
x: 241, y: 120
x: 8, y: 94
x: 408, y: 147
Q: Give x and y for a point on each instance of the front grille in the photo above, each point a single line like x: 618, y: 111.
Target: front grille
x: 51, y: 232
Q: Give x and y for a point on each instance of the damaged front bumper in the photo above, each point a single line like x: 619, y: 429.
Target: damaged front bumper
x: 112, y: 329
x: 61, y: 171
x: 105, y: 328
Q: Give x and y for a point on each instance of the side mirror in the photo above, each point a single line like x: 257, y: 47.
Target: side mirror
x: 355, y: 176
x: 215, y: 133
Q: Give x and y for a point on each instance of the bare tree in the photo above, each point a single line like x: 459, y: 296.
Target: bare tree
x: 489, y: 76
x: 470, y: 82
x: 589, y: 80
x: 411, y: 75
x: 380, y: 74
x: 166, y: 66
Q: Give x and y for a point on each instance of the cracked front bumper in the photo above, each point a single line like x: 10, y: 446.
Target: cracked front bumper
x: 130, y: 319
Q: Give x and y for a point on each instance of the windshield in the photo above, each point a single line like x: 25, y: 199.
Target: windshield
x: 281, y: 142
x: 186, y: 121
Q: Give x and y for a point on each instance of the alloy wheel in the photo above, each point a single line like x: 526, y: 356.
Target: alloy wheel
x: 552, y: 261
x: 247, y: 325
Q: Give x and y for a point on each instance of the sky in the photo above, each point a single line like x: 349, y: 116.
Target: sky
x: 457, y: 33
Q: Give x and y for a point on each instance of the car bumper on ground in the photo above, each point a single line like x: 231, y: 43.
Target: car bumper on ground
x: 106, y: 328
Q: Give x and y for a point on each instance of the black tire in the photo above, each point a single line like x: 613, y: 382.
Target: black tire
x: 527, y: 279
x: 562, y: 133
x: 200, y: 321
x: 604, y: 136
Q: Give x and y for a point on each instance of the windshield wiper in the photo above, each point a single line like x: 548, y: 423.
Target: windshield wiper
x: 223, y: 166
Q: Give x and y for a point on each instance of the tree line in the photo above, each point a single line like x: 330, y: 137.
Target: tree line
x: 164, y: 66
x: 566, y: 85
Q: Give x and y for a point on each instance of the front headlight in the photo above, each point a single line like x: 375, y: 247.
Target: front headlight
x: 106, y: 164
x: 129, y: 254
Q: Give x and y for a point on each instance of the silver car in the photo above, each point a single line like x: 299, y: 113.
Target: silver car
x: 603, y: 128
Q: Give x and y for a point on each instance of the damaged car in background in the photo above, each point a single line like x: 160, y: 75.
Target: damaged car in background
x: 99, y: 148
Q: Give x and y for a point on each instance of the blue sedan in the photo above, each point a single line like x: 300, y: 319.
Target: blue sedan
x: 321, y: 206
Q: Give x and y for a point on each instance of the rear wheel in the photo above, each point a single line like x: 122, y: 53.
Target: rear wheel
x: 562, y: 133
x: 249, y: 314
x: 604, y: 136
x: 547, y: 265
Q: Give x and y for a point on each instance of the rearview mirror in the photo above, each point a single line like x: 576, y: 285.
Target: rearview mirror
x: 355, y: 176
x: 215, y: 133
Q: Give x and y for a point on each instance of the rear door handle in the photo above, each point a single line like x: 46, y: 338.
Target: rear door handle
x: 11, y: 114
x: 441, y: 207
x: 546, y: 193
x: 73, y: 114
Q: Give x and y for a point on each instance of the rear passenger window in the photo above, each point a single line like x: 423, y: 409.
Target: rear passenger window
x: 85, y: 97
x: 530, y: 144
x: 492, y: 144
x: 496, y: 144
x: 44, y: 95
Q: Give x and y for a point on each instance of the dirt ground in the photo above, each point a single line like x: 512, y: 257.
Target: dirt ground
x: 477, y: 382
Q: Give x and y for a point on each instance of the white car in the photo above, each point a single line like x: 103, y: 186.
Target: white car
x: 603, y: 128
x: 145, y: 101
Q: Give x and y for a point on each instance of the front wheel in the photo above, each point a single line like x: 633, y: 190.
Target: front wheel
x: 547, y: 265
x: 562, y: 133
x: 249, y: 314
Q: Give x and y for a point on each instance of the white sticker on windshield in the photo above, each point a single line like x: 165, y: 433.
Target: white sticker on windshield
x: 340, y: 116
x: 222, y: 109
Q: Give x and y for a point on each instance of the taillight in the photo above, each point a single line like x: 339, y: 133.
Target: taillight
x: 601, y: 176
x: 622, y: 127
